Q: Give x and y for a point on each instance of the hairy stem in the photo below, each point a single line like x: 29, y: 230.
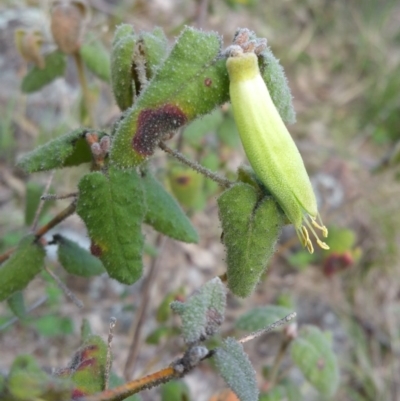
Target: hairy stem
x: 222, y: 181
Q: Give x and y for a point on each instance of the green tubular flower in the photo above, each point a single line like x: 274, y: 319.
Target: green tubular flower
x: 270, y: 148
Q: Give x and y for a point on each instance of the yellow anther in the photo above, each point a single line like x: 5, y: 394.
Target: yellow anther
x: 323, y: 245
x: 310, y: 247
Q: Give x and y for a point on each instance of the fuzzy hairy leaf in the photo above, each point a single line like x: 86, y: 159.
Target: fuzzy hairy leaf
x: 16, y: 303
x: 36, y: 78
x: 97, y: 60
x: 203, y: 312
x: 251, y: 228
x: 260, y: 317
x: 68, y: 150
x: 113, y: 209
x: 234, y: 366
x: 191, y: 82
x: 77, y: 260
x: 122, y: 54
x: 154, y: 46
x: 277, y: 84
x: 88, y: 366
x: 164, y: 213
x: 313, y: 355
x: 21, y: 267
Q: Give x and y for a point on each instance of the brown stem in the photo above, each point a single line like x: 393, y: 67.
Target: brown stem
x: 47, y: 227
x: 222, y: 181
x: 84, y: 86
x: 125, y: 390
x: 145, y: 301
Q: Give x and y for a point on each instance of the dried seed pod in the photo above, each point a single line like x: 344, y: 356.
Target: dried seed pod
x: 68, y: 23
x: 270, y: 148
x: 28, y: 44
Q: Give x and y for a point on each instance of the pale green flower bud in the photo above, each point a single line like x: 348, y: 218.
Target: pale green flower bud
x: 270, y: 148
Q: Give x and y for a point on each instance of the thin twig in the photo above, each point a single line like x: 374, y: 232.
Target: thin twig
x: 56, y: 220
x: 113, y: 322
x: 15, y: 319
x: 269, y: 328
x: 41, y: 203
x: 222, y: 181
x: 84, y: 87
x: 121, y: 392
x: 278, y: 360
x: 46, y: 228
x: 48, y: 197
x: 64, y: 288
x: 145, y: 301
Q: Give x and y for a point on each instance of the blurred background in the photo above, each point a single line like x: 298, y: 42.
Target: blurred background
x: 342, y: 60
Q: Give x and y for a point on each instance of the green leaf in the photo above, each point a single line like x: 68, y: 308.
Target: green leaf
x: 36, y: 78
x: 277, y: 393
x: 27, y: 382
x: 77, y: 260
x: 113, y: 209
x: 68, y: 150
x: 23, y: 265
x: 186, y: 185
x: 17, y: 304
x: 191, y: 82
x: 250, y: 230
x: 312, y: 353
x: 277, y: 84
x: 195, y: 131
x: 32, y: 200
x: 53, y: 325
x: 203, y: 312
x: 163, y: 212
x: 122, y: 55
x: 260, y: 317
x: 155, y: 337
x: 89, y: 365
x: 122, y: 31
x: 227, y: 132
x: 97, y: 60
x: 235, y: 367
x: 154, y: 46
x: 175, y: 390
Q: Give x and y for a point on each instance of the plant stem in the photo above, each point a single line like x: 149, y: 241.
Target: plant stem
x: 84, y: 86
x: 41, y: 203
x: 222, y: 181
x: 121, y: 392
x: 145, y: 301
x: 47, y: 227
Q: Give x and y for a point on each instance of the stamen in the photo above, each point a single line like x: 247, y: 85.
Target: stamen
x: 324, y: 229
x: 320, y: 227
x: 310, y: 247
x: 323, y: 245
x: 319, y: 242
x: 305, y: 234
